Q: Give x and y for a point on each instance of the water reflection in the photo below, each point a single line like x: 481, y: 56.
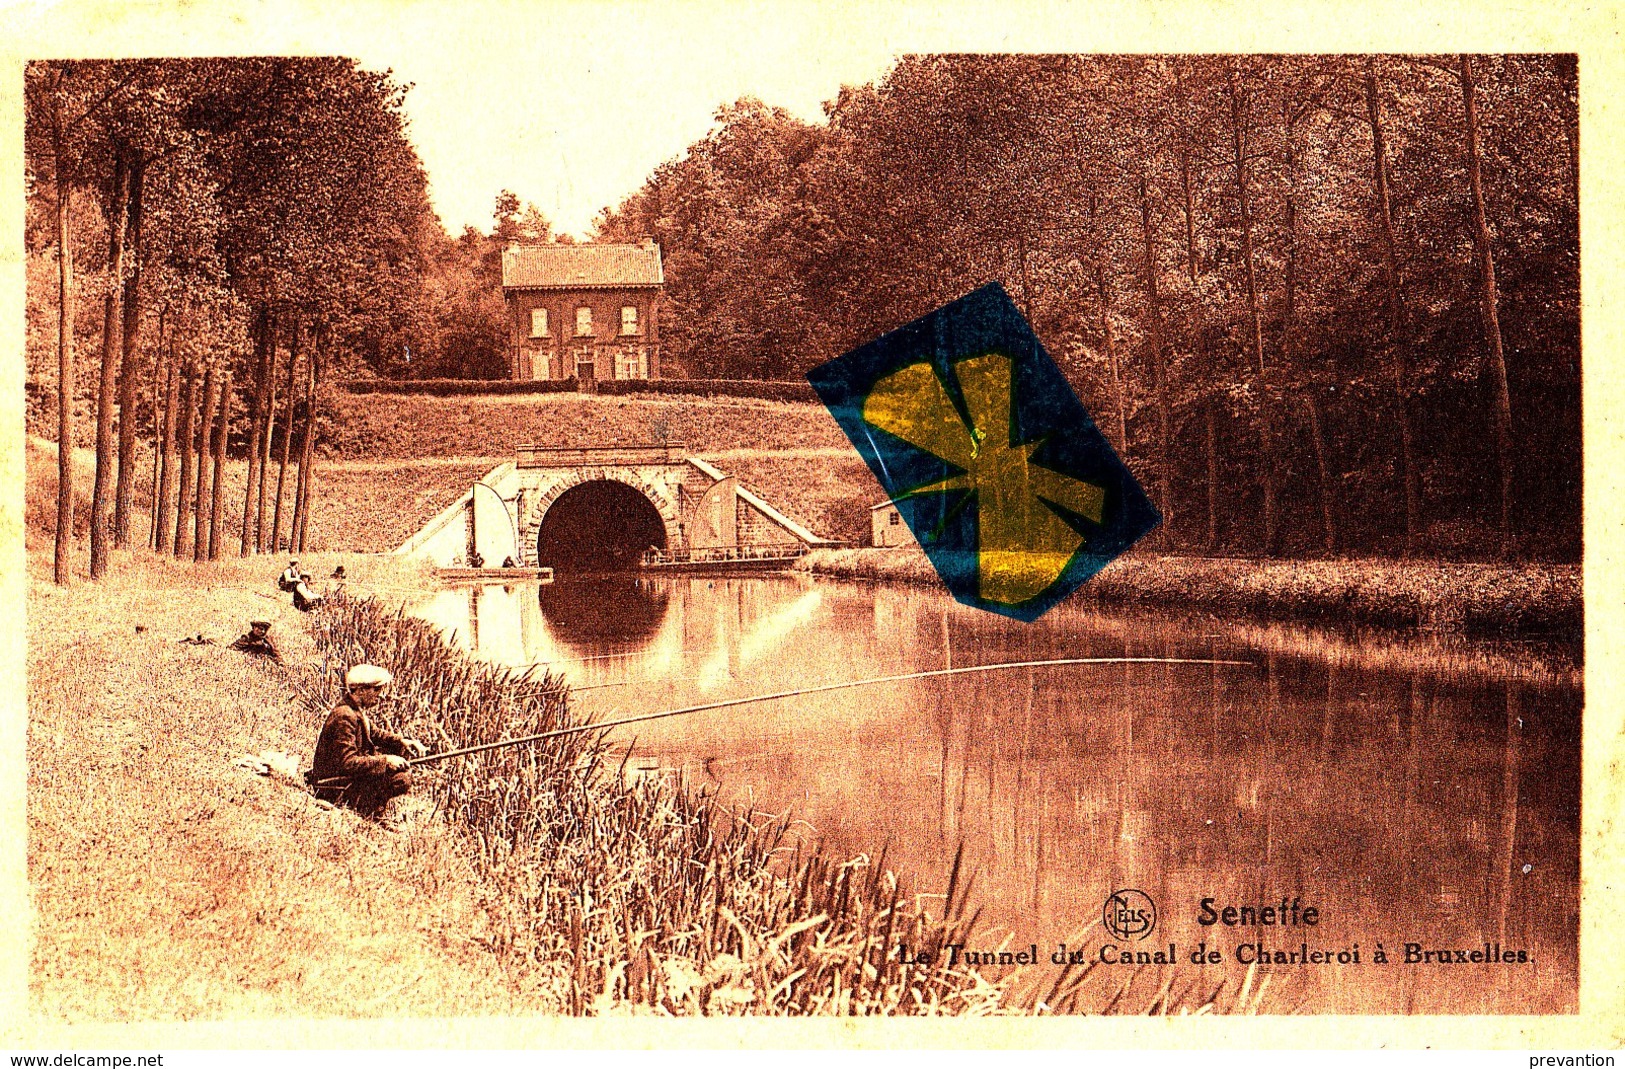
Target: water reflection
x: 586, y: 613
x: 1387, y: 783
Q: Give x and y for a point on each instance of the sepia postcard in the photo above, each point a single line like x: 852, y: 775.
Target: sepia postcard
x: 542, y: 525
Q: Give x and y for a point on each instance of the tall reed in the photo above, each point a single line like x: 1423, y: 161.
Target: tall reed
x: 643, y: 894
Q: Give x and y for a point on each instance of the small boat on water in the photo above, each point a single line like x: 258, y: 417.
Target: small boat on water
x: 494, y: 575
x: 762, y: 558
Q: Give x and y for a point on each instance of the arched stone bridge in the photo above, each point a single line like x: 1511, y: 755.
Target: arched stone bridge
x: 593, y: 508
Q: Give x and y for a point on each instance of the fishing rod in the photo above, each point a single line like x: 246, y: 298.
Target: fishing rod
x: 847, y: 685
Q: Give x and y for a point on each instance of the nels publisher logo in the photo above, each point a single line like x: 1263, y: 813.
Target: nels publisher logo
x: 1129, y: 914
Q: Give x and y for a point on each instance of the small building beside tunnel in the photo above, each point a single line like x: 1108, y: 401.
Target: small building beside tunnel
x: 886, y: 526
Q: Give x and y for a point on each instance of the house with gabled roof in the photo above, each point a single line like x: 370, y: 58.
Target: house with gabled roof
x: 585, y: 312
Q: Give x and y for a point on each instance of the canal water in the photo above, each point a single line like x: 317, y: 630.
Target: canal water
x: 1419, y: 791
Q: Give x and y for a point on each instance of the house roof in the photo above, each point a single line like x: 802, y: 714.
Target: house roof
x: 546, y: 267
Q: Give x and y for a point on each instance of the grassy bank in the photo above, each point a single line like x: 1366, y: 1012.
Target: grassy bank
x: 393, y: 462
x: 1475, y: 598
x: 166, y: 883
x: 644, y: 895
x: 375, y: 426
x: 362, y: 506
x: 170, y: 883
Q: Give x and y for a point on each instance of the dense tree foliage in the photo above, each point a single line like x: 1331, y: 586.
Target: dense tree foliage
x: 462, y: 332
x: 1320, y: 303
x: 253, y: 226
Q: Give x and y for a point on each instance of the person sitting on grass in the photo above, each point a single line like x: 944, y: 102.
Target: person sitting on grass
x: 304, y: 598
x: 289, y: 577
x: 358, y: 765
x: 258, y: 641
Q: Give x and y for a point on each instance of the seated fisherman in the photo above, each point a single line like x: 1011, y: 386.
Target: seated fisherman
x: 356, y: 764
x: 258, y: 641
x: 304, y: 598
x: 289, y: 577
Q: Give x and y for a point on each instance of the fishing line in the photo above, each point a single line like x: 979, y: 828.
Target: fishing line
x: 731, y: 702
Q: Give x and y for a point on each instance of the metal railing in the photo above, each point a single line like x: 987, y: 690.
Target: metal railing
x: 599, y: 456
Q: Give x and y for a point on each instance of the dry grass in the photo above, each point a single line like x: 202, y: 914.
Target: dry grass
x: 368, y: 506
x: 413, y: 426
x: 167, y: 883
x: 39, y: 488
x: 1140, y: 991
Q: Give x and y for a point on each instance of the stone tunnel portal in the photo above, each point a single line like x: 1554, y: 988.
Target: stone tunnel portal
x: 598, y: 526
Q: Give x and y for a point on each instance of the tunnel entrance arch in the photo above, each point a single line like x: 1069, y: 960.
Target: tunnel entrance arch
x: 599, y: 525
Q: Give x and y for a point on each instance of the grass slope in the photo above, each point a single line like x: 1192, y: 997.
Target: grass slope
x: 167, y: 883
x: 392, y: 462
x: 408, y: 426
x: 364, y: 506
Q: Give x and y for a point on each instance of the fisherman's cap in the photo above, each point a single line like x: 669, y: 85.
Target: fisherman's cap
x: 259, y: 623
x: 368, y: 675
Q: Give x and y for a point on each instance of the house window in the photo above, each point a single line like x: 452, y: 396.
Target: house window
x: 629, y: 319
x: 541, y: 364
x: 538, y: 322
x: 631, y: 363
x: 583, y: 321
x: 894, y: 519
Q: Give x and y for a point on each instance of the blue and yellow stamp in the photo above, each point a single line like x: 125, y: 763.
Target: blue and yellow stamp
x: 1007, y: 484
